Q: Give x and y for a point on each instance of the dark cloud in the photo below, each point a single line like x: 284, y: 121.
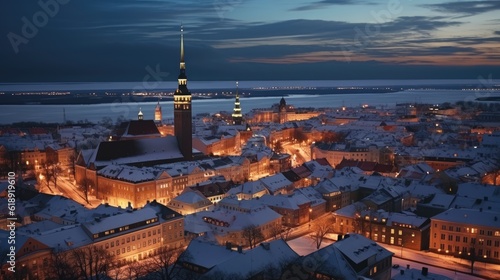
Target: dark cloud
x: 116, y: 40
x: 466, y: 7
x: 325, y: 3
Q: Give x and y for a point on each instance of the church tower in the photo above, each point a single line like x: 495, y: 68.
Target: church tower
x: 237, y: 117
x: 158, y: 115
x: 282, y: 114
x: 182, y: 110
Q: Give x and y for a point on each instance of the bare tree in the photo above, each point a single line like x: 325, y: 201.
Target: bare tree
x: 278, y: 147
x: 280, y: 231
x: 47, y: 173
x: 320, y: 228
x: 56, y: 171
x: 162, y: 265
x: 84, y: 186
x: 92, y: 262
x: 134, y: 270
x: 300, y: 136
x: 253, y: 235
x: 60, y: 267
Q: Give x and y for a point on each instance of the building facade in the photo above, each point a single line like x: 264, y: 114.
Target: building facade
x: 467, y: 233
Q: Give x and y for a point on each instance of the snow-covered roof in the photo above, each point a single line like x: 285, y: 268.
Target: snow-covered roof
x: 412, y: 273
x: 276, y: 182
x: 284, y: 201
x: 65, y: 238
x: 479, y: 191
x: 130, y: 173
x: 235, y: 220
x: 399, y: 218
x: 137, y: 151
x: 251, y: 187
x: 251, y: 262
x: 120, y: 220
x: 358, y: 248
x: 330, y: 261
x: 471, y: 217
x: 312, y: 195
x: 206, y: 254
x: 191, y: 197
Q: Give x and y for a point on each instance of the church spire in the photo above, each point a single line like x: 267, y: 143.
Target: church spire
x: 182, y: 109
x: 182, y: 64
x: 182, y: 79
x: 237, y: 116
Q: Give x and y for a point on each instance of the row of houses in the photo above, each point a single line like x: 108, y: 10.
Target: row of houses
x: 55, y: 225
x: 351, y: 257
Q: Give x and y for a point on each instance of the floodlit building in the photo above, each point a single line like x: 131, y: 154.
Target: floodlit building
x: 467, y: 233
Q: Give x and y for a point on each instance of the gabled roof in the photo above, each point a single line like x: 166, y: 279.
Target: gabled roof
x: 290, y: 175
x: 215, y: 188
x: 138, y: 151
x: 331, y: 262
x: 276, y: 182
x: 302, y: 171
x: 357, y: 248
x: 258, y: 260
x: 284, y: 201
x: 191, y: 197
x: 134, y: 128
x: 366, y: 166
x: 206, y: 254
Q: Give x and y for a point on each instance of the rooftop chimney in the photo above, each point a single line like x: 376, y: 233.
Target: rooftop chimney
x: 228, y: 245
x: 240, y: 249
x: 425, y: 271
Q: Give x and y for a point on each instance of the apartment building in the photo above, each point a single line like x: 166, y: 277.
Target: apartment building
x: 467, y: 233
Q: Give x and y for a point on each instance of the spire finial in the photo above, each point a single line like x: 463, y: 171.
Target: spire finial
x: 182, y: 47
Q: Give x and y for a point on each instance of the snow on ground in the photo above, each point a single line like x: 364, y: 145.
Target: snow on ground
x: 304, y: 245
x: 436, y: 263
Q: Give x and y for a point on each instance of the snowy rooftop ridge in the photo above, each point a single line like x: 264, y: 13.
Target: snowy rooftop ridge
x: 120, y: 220
x: 472, y: 217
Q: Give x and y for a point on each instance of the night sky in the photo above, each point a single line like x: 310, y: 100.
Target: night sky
x: 116, y: 40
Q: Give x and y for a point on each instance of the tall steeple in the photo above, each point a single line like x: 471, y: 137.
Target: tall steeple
x: 182, y: 109
x: 237, y: 116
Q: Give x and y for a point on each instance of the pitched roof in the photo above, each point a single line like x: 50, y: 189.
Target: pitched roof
x: 138, y: 151
x: 258, y: 260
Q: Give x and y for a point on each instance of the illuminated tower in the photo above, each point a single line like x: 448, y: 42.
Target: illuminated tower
x: 158, y: 115
x: 182, y: 109
x: 237, y: 117
x: 140, y: 115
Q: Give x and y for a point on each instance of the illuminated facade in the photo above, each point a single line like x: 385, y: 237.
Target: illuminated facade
x: 127, y: 237
x: 406, y: 231
x: 138, y: 234
x: 182, y: 110
x: 467, y: 233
